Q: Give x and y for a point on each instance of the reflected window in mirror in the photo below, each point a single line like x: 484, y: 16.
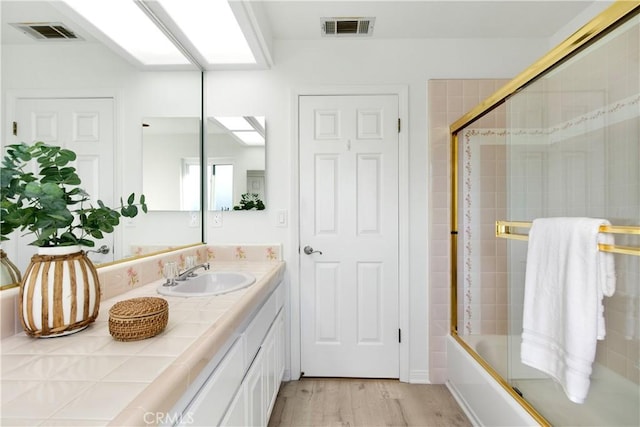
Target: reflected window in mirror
x: 235, y: 145
x: 171, y: 166
x: 190, y: 184
x: 220, y: 186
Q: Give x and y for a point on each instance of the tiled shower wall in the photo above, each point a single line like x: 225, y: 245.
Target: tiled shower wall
x: 448, y: 100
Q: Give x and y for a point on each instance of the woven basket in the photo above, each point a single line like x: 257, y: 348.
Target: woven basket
x: 138, y: 318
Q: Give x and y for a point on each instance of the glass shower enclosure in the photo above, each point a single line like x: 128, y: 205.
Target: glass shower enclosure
x: 561, y: 142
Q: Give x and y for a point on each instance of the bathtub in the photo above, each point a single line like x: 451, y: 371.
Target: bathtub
x: 480, y: 395
x: 612, y: 399
x: 502, y: 352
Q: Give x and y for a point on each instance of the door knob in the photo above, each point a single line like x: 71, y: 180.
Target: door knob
x: 309, y: 250
x: 104, y: 249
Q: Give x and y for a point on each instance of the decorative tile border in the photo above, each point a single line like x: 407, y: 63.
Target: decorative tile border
x: 245, y: 252
x: 473, y: 139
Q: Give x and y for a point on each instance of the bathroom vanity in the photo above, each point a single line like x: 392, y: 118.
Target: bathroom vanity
x: 219, y: 361
x: 241, y: 388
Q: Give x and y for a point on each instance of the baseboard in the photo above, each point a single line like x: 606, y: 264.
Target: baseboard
x: 419, y: 376
x: 286, y: 375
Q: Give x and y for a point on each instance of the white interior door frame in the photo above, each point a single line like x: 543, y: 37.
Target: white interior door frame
x: 402, y: 92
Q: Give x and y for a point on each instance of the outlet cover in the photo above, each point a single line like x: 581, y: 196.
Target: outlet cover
x: 216, y: 219
x: 194, y: 219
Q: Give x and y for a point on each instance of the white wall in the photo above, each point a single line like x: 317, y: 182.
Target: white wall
x: 301, y: 65
x: 594, y: 9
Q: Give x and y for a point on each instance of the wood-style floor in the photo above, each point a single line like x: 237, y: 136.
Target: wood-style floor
x: 364, y: 402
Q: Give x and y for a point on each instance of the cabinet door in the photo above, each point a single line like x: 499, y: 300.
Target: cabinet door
x: 262, y: 382
x: 280, y: 343
x: 270, y: 368
x: 254, y: 393
x: 273, y: 361
x: 209, y: 405
x: 236, y: 415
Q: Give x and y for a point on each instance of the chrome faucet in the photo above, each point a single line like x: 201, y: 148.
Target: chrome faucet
x: 190, y: 271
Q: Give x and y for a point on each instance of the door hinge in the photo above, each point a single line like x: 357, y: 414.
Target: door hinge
x: 15, y: 128
x: 399, y: 335
x: 399, y: 125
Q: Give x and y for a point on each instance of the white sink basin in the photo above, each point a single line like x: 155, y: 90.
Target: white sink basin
x: 208, y: 284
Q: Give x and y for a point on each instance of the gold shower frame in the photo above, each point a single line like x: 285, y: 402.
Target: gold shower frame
x: 611, y: 18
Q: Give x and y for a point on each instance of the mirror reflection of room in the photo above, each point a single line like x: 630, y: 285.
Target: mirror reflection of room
x: 88, y: 73
x: 171, y: 163
x: 235, y: 152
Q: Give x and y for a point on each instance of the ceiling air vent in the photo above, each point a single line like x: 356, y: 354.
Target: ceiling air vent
x: 46, y: 30
x: 332, y: 27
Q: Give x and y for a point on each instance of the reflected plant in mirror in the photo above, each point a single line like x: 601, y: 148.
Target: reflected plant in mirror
x: 249, y: 202
x: 235, y: 152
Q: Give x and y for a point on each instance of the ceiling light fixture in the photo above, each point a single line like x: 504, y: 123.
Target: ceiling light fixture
x: 249, y: 130
x: 212, y: 28
x: 250, y: 137
x: 234, y: 123
x: 129, y: 27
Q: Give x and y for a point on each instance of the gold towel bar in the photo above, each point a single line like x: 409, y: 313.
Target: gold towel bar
x: 505, y: 229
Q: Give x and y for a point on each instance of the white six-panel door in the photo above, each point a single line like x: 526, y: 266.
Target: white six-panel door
x: 84, y: 125
x: 349, y: 216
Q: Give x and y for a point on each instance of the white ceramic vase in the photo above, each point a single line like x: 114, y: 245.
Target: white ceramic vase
x: 59, y: 292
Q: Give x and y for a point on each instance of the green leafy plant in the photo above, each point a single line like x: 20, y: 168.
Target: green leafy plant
x: 248, y: 202
x: 50, y: 204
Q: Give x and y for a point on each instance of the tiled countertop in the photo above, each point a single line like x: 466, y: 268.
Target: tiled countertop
x: 90, y: 379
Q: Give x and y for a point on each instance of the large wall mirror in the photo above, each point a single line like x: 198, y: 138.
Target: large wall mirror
x: 153, y: 122
x: 235, y: 167
x: 87, y: 69
x: 235, y: 151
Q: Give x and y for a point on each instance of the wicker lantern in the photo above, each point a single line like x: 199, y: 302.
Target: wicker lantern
x: 59, y: 293
x: 9, y: 273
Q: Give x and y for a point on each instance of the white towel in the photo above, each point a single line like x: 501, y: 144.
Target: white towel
x: 563, y: 317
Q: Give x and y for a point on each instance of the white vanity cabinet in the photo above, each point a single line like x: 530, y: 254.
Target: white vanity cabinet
x: 254, y: 401
x: 241, y: 389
